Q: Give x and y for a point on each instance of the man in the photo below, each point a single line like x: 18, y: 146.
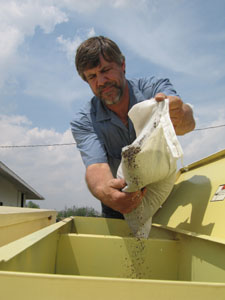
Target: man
x: 102, y: 128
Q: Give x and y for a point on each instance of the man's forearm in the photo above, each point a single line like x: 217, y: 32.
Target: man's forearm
x: 96, y: 176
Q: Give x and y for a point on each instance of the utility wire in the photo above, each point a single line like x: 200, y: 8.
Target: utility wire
x: 212, y: 127
x: 34, y: 146
x: 70, y: 144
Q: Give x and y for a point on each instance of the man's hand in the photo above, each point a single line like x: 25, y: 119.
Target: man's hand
x: 118, y: 200
x: 181, y: 114
x: 108, y: 189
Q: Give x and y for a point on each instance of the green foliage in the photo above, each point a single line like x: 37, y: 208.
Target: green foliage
x: 77, y: 211
x: 31, y: 204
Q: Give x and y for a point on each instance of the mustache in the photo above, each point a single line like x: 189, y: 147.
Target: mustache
x: 108, y: 84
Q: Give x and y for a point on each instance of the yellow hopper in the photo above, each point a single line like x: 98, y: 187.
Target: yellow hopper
x: 97, y: 258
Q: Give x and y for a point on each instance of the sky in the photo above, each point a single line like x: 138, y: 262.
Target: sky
x: 40, y: 91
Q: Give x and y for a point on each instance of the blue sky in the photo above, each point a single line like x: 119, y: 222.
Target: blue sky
x: 40, y: 90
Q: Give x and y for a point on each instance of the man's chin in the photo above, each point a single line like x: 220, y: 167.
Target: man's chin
x: 111, y: 101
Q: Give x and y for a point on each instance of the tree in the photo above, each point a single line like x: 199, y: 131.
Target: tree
x: 78, y: 211
x: 31, y: 204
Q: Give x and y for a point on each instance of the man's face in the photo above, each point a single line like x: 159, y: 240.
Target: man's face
x: 107, y: 81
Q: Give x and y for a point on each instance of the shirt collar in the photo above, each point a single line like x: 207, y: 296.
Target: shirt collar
x: 102, y: 112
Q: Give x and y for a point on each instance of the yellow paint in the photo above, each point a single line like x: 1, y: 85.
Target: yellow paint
x: 100, y: 263
x: 16, y: 222
x: 17, y: 249
x: 112, y: 227
x: 101, y: 226
x: 26, y: 286
x: 189, y: 207
x: 96, y: 258
x: 92, y: 255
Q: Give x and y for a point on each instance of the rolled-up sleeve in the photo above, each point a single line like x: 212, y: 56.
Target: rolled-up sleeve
x: 91, y: 148
x: 152, y: 86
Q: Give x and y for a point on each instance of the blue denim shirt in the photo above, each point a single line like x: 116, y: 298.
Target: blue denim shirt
x: 99, y: 133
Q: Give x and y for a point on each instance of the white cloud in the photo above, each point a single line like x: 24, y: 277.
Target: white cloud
x: 26, y: 15
x: 57, y: 172
x: 69, y: 46
x: 10, y: 39
x: 199, y: 144
x: 91, y: 6
x: 19, y: 19
x: 149, y: 28
x: 79, y: 6
x: 55, y: 82
x: 164, y: 33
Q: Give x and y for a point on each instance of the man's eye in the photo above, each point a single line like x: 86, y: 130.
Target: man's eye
x: 91, y: 77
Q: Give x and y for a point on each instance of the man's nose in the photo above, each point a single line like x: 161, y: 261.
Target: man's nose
x: 101, y: 79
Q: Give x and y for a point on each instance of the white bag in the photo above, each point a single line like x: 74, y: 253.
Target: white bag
x: 150, y: 161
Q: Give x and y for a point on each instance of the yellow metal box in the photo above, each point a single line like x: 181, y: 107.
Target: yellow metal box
x: 97, y: 258
x: 16, y: 222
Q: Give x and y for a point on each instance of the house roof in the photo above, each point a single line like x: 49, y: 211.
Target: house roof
x: 19, y: 183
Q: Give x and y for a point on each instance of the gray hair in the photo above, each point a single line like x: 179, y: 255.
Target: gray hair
x: 89, y: 52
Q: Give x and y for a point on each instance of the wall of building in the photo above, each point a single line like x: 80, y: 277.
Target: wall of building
x: 9, y: 195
